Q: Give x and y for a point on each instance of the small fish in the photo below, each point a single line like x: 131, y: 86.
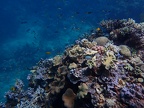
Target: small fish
x: 98, y: 29
x: 24, y: 22
x: 88, y: 12
x: 59, y: 8
x: 56, y: 31
x: 48, y: 52
x: 12, y: 89
x: 106, y: 11
x: 77, y: 13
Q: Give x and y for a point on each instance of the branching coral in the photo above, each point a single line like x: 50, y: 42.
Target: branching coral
x: 126, y: 32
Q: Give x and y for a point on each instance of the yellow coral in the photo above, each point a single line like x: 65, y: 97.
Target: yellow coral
x: 57, y: 60
x: 108, y: 61
x: 92, y: 63
x: 83, y: 90
x: 72, y: 65
x: 75, y: 51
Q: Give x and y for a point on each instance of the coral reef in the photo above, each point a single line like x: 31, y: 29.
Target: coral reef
x: 126, y: 31
x: 92, y: 73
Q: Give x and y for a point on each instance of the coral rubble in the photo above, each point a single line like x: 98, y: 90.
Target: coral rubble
x: 95, y: 72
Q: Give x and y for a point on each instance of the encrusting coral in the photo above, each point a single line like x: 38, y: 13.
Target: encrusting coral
x: 92, y: 73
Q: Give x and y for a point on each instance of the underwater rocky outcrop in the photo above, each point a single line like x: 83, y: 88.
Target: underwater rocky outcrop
x: 103, y: 70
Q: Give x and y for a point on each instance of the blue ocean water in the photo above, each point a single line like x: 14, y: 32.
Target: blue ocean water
x: 30, y: 28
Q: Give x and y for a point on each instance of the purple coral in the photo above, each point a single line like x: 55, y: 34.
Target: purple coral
x: 133, y: 95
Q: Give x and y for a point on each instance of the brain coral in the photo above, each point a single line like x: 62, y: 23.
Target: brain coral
x: 101, y: 40
x: 124, y: 50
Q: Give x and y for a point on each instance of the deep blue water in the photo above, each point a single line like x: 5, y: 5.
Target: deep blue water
x: 29, y: 28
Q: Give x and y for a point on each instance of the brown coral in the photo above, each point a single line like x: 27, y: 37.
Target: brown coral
x: 68, y: 97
